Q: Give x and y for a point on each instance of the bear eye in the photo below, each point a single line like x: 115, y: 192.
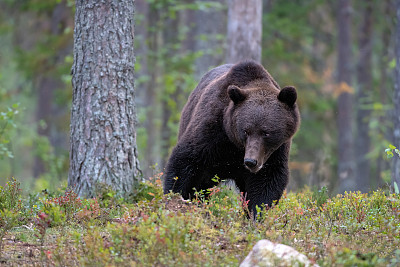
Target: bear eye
x: 246, y: 132
x: 265, y: 134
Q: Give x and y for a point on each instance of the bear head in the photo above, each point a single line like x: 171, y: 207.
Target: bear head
x: 260, y: 118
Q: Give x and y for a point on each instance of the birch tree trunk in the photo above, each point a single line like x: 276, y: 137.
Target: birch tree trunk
x: 244, y: 30
x: 396, y: 100
x: 345, y: 99
x: 103, y: 135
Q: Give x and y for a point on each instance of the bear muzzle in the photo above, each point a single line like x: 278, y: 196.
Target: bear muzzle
x: 254, y: 157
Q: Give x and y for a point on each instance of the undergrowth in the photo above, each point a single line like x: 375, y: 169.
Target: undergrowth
x: 150, y: 229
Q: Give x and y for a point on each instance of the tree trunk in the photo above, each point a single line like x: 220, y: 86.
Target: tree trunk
x: 45, y: 86
x: 103, y: 134
x: 210, y: 25
x: 244, y: 30
x: 48, y: 82
x: 154, y: 67
x: 385, y: 91
x: 364, y: 94
x: 345, y: 99
x: 396, y: 99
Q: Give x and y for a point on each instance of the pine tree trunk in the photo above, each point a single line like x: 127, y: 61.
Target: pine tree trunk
x: 396, y: 100
x: 103, y: 135
x: 345, y: 100
x: 244, y: 30
x: 364, y: 78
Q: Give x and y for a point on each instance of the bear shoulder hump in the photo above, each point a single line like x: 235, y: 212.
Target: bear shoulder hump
x: 245, y: 72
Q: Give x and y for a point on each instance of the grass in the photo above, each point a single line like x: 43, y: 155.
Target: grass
x: 151, y: 229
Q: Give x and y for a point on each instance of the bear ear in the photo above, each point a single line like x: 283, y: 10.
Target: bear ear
x: 236, y: 94
x: 288, y: 95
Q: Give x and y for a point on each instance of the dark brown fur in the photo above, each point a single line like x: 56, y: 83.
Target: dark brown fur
x: 237, y: 124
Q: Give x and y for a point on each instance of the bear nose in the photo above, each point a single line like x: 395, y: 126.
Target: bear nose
x: 251, y: 163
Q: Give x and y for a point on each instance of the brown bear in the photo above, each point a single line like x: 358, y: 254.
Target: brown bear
x: 237, y: 124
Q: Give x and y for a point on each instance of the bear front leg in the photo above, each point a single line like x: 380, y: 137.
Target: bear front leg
x: 183, y: 172
x: 265, y: 189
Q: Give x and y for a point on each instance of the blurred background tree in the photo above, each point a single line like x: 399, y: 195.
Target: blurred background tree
x: 244, y: 31
x: 176, y: 42
x: 345, y: 92
x: 396, y: 110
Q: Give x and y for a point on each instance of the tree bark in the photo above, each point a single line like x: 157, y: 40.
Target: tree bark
x: 244, y: 30
x: 396, y: 99
x: 103, y: 135
x: 345, y: 99
x: 364, y: 78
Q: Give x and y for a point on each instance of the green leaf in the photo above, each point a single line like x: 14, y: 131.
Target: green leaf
x: 392, y: 63
x: 392, y: 146
x: 377, y: 106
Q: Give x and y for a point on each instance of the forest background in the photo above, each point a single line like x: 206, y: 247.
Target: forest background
x: 176, y: 43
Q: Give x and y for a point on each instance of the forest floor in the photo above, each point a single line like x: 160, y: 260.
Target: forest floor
x: 150, y: 229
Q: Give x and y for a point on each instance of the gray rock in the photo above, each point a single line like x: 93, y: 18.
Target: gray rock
x: 266, y: 253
